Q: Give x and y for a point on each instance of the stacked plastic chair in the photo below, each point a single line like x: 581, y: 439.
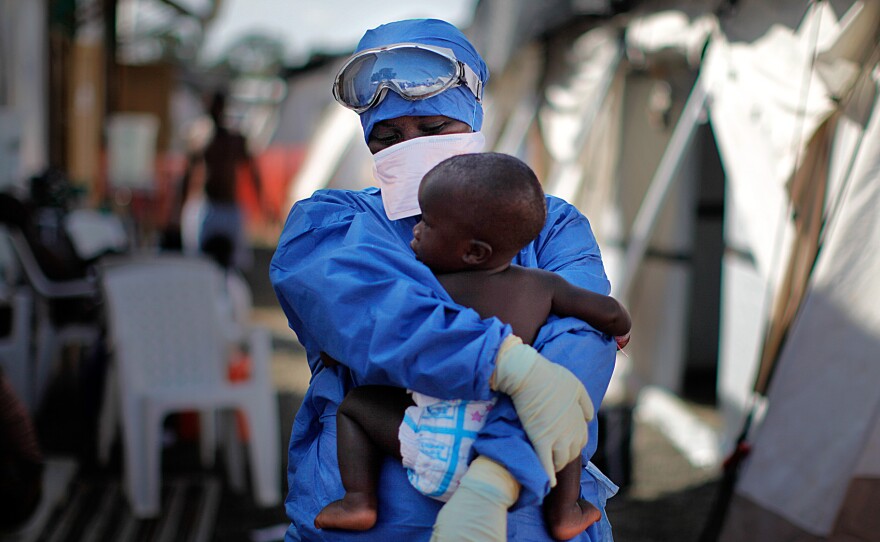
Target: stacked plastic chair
x: 15, y: 342
x: 171, y: 350
x: 64, y: 299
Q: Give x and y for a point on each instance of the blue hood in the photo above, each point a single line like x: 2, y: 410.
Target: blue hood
x: 458, y: 103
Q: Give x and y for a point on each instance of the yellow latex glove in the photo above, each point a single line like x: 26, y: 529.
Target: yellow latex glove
x: 477, y: 511
x: 551, y: 403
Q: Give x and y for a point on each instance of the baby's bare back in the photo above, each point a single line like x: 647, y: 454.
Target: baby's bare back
x: 518, y: 296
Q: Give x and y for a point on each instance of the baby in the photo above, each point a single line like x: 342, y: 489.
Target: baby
x: 478, y: 212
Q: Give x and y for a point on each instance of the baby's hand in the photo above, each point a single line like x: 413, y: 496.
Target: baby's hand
x: 622, y: 341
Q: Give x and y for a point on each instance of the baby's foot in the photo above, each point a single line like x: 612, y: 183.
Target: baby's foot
x: 569, y: 521
x: 353, y: 512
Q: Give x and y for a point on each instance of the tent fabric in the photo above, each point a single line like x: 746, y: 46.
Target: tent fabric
x: 807, y: 192
x: 764, y: 107
x: 869, y: 463
x: 571, y: 106
x: 777, y: 73
x: 579, y: 127
x: 671, y: 30
x: 825, y: 397
x: 765, y: 104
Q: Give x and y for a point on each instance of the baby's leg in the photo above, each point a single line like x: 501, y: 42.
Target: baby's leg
x: 566, y: 514
x: 366, y: 430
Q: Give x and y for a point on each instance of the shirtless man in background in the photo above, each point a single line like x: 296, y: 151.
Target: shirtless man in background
x: 210, y: 188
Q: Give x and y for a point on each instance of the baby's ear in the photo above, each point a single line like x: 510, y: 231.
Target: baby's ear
x: 478, y: 252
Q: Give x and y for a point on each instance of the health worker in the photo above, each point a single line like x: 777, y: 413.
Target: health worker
x: 351, y: 288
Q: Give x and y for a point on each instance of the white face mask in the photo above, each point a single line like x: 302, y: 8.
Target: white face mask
x: 399, y: 169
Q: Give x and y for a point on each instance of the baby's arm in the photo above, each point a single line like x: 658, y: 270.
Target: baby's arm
x: 603, y: 312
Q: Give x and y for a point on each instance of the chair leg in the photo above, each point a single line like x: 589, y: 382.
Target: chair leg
x: 232, y: 451
x: 207, y: 437
x: 15, y: 351
x: 261, y: 411
x: 262, y: 417
x: 152, y: 467
x: 108, y: 420
x: 46, y: 351
x: 141, y: 459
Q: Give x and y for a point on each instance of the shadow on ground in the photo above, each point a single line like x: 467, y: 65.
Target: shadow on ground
x: 678, y: 516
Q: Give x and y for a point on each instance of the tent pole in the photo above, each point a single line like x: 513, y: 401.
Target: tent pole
x: 649, y: 212
x: 566, y: 177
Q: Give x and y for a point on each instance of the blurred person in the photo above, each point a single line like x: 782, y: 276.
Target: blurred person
x: 352, y: 289
x: 210, y: 186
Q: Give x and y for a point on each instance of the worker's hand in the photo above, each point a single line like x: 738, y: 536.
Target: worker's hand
x: 551, y: 403
x: 477, y: 511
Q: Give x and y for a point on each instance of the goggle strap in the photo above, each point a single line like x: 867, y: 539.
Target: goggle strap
x: 472, y: 81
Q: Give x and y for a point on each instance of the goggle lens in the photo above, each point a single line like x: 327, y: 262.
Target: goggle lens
x: 414, y: 73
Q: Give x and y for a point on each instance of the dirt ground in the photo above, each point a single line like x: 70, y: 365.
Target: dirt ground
x: 669, y: 499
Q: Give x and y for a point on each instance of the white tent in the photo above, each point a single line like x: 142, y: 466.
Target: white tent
x: 816, y: 458
x: 789, y: 91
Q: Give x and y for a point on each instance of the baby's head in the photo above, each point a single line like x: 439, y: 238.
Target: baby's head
x: 478, y: 211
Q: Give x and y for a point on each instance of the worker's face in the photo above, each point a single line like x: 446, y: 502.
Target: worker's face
x: 440, y: 239
x: 390, y: 132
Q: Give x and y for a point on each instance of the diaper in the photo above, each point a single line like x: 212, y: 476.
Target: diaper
x: 435, y: 441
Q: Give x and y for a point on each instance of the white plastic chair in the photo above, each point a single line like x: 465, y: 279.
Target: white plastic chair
x: 50, y: 337
x: 94, y: 234
x: 15, y: 347
x: 169, y: 344
x: 15, y: 344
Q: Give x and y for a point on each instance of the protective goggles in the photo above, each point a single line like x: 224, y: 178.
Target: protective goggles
x: 413, y: 70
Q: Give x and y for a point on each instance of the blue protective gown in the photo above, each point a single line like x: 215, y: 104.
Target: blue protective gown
x: 350, y: 285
